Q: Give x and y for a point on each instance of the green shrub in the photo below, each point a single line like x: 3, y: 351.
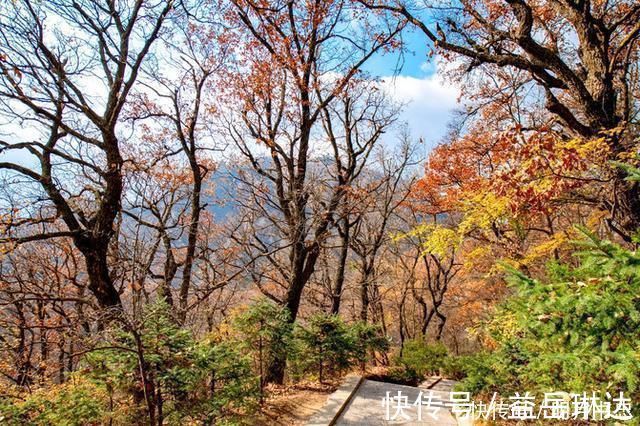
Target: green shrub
x: 186, y: 380
x: 480, y: 374
x: 455, y: 367
x: 369, y: 339
x: 421, y: 358
x: 327, y: 346
x: 400, y: 375
x: 231, y: 390
x: 192, y: 380
x: 264, y: 332
x: 578, y: 330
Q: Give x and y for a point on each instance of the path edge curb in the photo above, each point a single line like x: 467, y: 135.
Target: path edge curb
x: 346, y: 401
x: 325, y: 417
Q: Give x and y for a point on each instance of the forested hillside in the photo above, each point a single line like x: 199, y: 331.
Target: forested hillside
x: 206, y: 203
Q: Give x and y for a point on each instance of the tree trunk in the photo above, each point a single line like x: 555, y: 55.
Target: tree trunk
x: 276, y: 368
x: 443, y: 320
x: 100, y: 282
x: 303, y: 261
x: 275, y: 372
x: 364, y: 301
x: 625, y: 209
x: 196, y: 208
x: 340, y: 272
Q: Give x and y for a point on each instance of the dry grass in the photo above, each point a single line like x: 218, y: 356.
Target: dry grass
x: 294, y: 405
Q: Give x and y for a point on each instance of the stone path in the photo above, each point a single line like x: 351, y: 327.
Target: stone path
x: 367, y: 407
x: 337, y: 402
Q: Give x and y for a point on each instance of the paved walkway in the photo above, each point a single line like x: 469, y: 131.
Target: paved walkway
x: 367, y: 406
x: 336, y: 402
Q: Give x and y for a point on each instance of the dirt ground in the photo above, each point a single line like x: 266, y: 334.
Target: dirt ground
x: 293, y: 406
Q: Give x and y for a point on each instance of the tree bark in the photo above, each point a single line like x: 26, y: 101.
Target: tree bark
x: 336, y: 295
x: 100, y: 282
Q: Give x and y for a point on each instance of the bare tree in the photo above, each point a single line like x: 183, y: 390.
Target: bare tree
x: 45, y: 312
x: 301, y: 57
x: 179, y: 112
x: 67, y: 69
x: 371, y: 231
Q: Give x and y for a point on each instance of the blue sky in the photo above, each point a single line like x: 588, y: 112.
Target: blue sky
x: 429, y: 100
x: 414, y: 62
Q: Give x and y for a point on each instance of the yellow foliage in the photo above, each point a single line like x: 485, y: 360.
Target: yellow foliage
x: 442, y: 241
x: 504, y: 324
x: 481, y: 211
x: 546, y: 248
x: 588, y: 148
x: 76, y: 401
x: 436, y: 239
x: 472, y: 257
x: 222, y: 331
x: 595, y: 218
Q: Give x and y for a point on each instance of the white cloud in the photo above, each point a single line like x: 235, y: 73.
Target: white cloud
x: 429, y: 104
x: 429, y: 67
